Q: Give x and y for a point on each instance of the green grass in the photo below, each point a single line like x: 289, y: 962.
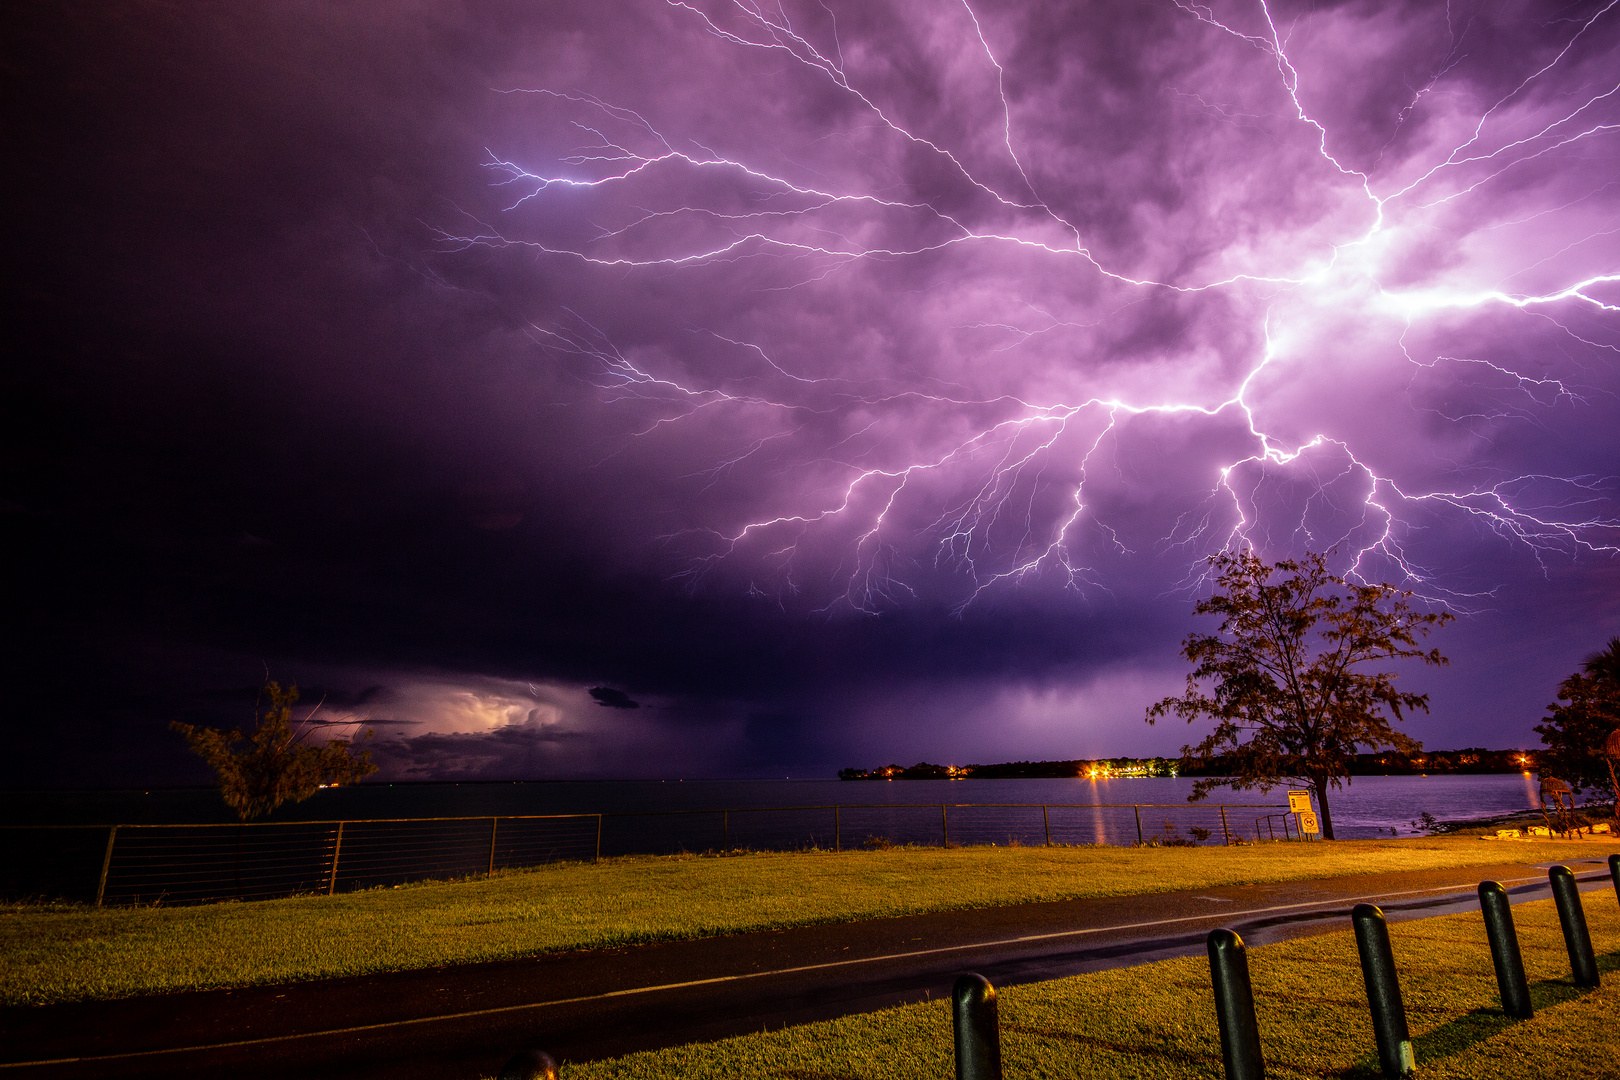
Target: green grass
x: 55, y: 952
x: 1157, y: 1022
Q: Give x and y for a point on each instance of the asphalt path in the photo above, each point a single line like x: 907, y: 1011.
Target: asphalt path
x: 465, y: 1020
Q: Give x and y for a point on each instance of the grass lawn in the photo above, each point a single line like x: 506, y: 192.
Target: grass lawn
x: 60, y: 952
x: 1158, y: 1021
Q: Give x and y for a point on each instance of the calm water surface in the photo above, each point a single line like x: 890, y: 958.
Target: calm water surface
x: 1368, y: 806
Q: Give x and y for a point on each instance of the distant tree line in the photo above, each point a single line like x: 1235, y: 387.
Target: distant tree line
x: 1474, y: 759
x: 1041, y: 770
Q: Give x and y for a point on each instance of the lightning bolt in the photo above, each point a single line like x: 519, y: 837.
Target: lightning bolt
x: 1008, y: 490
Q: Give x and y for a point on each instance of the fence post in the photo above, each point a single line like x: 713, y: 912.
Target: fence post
x: 1505, y: 957
x: 1234, y: 1006
x: 838, y: 829
x: 1138, y: 810
x: 1226, y: 834
x: 106, y: 865
x: 1047, y: 822
x: 1614, y: 874
x: 978, y: 1037
x: 944, y: 826
x: 337, y: 849
x: 1572, y: 917
x: 1383, y: 991
x: 494, y: 822
x: 598, y: 856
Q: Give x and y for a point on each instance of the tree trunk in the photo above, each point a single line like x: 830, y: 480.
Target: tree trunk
x: 1320, y: 783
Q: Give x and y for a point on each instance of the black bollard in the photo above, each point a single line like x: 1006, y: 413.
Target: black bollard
x: 978, y: 1035
x: 1234, y: 1006
x: 1383, y: 991
x: 1572, y: 917
x: 1510, y: 980
x: 530, y: 1065
x: 1614, y: 874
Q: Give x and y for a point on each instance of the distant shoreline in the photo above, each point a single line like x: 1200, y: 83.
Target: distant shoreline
x: 1473, y: 761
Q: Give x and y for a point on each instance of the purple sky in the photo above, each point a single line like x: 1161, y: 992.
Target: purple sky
x: 839, y: 383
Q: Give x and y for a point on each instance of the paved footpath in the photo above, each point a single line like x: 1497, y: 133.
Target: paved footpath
x: 465, y: 1020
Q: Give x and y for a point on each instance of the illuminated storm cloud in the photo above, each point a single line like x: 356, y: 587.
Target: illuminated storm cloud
x: 906, y: 303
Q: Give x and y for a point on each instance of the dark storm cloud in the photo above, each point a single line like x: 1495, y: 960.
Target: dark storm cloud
x: 822, y: 427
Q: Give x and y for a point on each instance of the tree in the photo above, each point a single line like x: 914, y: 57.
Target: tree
x: 1582, y: 723
x: 1605, y: 663
x: 276, y: 765
x: 1283, y: 675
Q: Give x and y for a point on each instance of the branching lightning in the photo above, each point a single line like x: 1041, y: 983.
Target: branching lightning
x: 1009, y: 487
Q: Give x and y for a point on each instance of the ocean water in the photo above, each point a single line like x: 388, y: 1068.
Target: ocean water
x: 896, y: 811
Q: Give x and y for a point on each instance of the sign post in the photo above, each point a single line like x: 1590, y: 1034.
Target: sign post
x: 1299, y: 804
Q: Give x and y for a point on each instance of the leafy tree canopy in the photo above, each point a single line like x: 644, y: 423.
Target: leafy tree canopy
x: 274, y: 764
x: 1582, y: 723
x: 1284, y: 675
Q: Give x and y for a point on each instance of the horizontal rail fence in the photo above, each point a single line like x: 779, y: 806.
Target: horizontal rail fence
x: 181, y: 864
x: 194, y: 864
x: 878, y: 825
x: 144, y: 864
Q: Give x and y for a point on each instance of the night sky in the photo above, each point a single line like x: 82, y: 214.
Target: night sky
x: 583, y: 389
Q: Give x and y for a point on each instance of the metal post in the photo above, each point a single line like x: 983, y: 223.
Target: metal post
x: 337, y: 849
x: 1510, y: 981
x: 838, y: 829
x: 1226, y: 834
x: 1572, y: 917
x: 494, y: 823
x: 106, y: 865
x: 1614, y: 874
x: 944, y: 826
x: 1047, y: 821
x: 598, y: 855
x: 1383, y: 991
x: 978, y: 1036
x: 1138, y: 810
x: 1234, y: 1006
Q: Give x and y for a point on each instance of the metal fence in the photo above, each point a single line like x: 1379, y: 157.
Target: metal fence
x: 145, y: 864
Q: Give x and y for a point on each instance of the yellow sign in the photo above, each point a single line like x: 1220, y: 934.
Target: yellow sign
x: 1307, y: 823
x: 1299, y: 802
